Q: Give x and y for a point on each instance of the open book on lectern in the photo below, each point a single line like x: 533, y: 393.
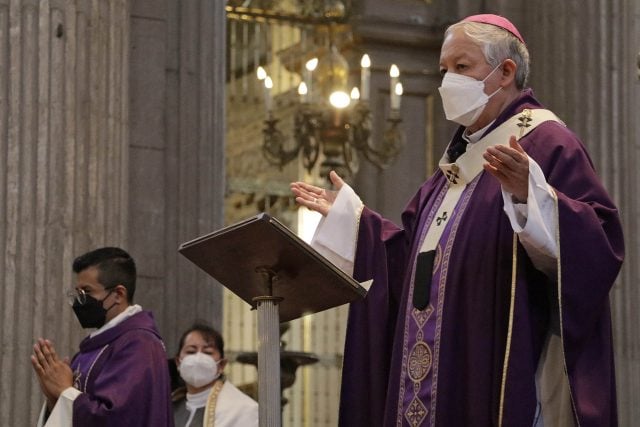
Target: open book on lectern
x: 305, y: 280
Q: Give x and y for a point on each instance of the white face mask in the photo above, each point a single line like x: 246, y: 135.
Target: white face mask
x: 463, y: 97
x: 198, y: 369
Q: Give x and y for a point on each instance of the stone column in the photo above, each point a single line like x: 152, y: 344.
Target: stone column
x: 176, y: 185
x: 63, y: 171
x: 583, y: 68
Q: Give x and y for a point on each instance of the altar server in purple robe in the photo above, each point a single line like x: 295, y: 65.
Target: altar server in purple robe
x: 120, y: 376
x: 489, y: 303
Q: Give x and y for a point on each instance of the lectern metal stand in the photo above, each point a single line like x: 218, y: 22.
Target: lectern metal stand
x: 283, y: 278
x: 270, y: 408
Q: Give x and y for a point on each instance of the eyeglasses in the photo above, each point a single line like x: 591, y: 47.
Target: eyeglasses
x: 76, y: 295
x: 80, y: 295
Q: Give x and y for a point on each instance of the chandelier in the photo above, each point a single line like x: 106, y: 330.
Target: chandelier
x: 332, y: 122
x: 332, y: 119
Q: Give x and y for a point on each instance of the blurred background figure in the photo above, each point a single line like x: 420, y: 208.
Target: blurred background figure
x: 207, y: 398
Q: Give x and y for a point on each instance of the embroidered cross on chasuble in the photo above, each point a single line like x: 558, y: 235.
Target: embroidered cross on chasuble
x: 422, y: 319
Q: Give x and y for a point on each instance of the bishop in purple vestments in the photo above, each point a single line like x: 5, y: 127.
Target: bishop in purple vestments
x: 489, y: 303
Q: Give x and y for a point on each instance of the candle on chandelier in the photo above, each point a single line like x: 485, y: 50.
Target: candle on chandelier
x: 365, y: 75
x: 261, y: 73
x: 303, y: 92
x: 394, y: 73
x: 268, y: 85
x: 396, y: 96
x: 309, y: 66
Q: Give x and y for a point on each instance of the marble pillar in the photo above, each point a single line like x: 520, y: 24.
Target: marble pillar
x: 63, y: 171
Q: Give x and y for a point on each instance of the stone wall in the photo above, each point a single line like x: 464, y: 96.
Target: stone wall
x: 63, y: 171
x: 176, y: 183
x: 111, y: 133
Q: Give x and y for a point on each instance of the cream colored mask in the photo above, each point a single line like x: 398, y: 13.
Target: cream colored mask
x: 463, y: 97
x: 198, y: 369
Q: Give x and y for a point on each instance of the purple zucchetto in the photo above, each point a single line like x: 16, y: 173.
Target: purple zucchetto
x: 496, y: 20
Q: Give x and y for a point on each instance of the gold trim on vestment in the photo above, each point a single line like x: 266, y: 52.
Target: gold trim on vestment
x: 358, y: 217
x: 511, y: 314
x: 507, y: 350
x: 558, y: 266
x: 212, y: 400
x: 524, y: 123
x: 420, y: 318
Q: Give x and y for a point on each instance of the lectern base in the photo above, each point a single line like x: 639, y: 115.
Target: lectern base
x: 270, y: 410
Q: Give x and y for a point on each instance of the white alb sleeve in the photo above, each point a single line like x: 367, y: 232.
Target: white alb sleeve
x: 336, y: 235
x: 535, y: 221
x: 62, y: 413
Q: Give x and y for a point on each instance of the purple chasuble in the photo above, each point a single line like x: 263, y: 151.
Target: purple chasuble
x: 464, y: 375
x: 123, y: 376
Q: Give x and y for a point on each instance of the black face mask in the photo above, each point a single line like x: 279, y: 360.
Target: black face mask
x: 92, y: 313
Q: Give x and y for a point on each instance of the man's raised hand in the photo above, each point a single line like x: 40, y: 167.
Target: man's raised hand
x: 316, y: 198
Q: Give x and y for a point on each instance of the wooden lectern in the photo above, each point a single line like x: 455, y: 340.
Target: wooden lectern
x: 277, y: 273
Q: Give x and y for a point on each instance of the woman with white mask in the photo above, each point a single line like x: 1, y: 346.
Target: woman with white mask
x: 208, y: 399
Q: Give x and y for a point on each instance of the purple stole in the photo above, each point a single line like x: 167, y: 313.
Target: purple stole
x: 420, y: 350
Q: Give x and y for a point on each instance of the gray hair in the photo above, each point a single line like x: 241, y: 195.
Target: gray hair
x: 497, y: 45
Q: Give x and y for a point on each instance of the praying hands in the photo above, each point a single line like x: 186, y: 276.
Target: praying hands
x: 54, y: 374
